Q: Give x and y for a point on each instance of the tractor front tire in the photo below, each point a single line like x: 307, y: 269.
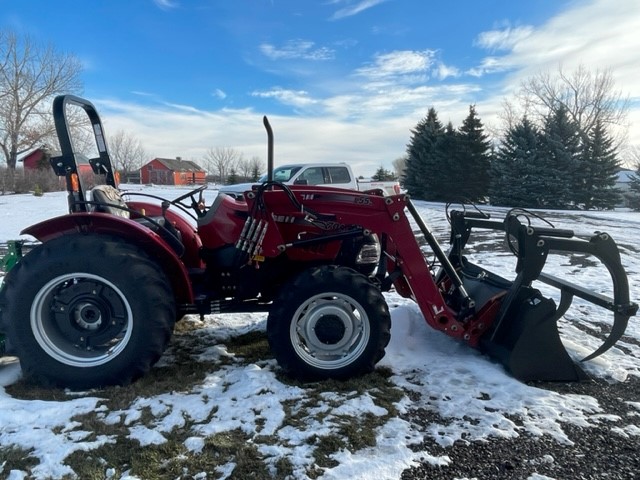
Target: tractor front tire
x: 329, y: 322
x: 86, y: 311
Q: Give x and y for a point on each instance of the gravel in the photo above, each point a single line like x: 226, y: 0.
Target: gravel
x: 602, y: 451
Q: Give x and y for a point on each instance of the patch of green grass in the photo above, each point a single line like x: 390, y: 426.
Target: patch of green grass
x: 94, y: 464
x: 284, y: 467
x: 326, y: 446
x: 235, y: 446
x: 251, y: 347
x: 171, y: 459
x: 92, y: 422
x: 16, y: 458
x: 361, y: 433
x: 27, y: 390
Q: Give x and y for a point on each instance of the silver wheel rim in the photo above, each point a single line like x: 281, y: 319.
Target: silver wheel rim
x: 81, y: 320
x: 330, y: 331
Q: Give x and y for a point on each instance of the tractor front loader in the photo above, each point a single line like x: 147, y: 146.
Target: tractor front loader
x: 509, y: 319
x: 95, y: 303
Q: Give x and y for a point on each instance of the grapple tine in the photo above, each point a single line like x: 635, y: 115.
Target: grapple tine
x: 602, y: 246
x: 619, y: 326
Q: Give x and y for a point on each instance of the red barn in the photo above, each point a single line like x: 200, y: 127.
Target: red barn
x: 167, y: 171
x: 39, y: 160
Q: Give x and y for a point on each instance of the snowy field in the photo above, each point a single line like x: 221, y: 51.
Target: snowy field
x: 471, y: 397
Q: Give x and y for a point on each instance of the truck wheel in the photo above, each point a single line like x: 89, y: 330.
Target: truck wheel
x: 329, y: 322
x: 87, y: 311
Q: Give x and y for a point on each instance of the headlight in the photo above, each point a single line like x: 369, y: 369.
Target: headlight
x: 369, y: 252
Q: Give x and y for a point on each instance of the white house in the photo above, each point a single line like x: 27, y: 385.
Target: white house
x: 623, y: 183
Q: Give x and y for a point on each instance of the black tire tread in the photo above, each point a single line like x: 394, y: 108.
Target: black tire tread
x: 333, y: 277
x: 122, y: 257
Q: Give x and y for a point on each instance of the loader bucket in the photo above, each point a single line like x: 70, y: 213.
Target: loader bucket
x: 523, y: 335
x: 530, y: 347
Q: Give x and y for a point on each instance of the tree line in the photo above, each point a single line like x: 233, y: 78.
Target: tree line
x: 560, y: 153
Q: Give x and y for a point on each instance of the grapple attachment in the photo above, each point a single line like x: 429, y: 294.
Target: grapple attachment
x: 523, y: 334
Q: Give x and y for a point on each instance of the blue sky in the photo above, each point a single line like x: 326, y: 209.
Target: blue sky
x: 341, y: 80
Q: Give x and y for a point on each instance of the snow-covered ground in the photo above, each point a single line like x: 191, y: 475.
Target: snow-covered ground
x: 472, y: 396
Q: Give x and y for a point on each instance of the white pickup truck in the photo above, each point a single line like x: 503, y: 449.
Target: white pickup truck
x: 323, y: 174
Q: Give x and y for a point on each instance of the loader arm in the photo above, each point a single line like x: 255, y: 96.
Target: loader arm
x: 291, y: 228
x: 508, y: 319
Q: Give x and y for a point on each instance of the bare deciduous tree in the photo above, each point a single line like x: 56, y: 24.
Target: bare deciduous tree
x: 127, y: 152
x: 399, y: 166
x: 244, y: 167
x: 256, y: 167
x: 30, y: 76
x: 631, y: 157
x: 249, y: 168
x: 220, y: 160
x: 589, y: 97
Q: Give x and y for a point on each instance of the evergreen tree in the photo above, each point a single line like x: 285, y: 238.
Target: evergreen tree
x: 515, y: 179
x: 255, y: 173
x: 597, y: 174
x: 382, y: 174
x: 421, y: 166
x: 559, y: 163
x: 233, y: 177
x: 473, y: 155
x: 447, y: 175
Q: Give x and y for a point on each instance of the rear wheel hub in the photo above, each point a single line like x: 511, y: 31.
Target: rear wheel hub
x: 81, y: 319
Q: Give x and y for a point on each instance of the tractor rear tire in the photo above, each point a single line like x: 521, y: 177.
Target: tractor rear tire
x: 86, y: 311
x: 329, y: 322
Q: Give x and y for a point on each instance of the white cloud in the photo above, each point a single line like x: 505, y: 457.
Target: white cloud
x: 351, y: 8
x: 445, y: 71
x: 397, y: 64
x: 295, y: 98
x: 297, y: 49
x: 220, y: 94
x: 399, y: 102
x: 166, y: 4
x: 490, y: 65
x: 503, y: 39
x: 143, y: 93
x: 169, y: 131
x: 599, y: 34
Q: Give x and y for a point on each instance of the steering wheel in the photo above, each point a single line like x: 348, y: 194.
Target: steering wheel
x: 197, y: 205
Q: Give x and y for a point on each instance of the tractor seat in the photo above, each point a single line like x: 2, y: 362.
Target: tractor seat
x: 107, y: 199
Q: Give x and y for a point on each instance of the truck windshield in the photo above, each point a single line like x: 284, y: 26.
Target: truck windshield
x: 281, y: 174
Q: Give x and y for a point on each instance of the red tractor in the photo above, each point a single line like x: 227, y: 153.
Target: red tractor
x: 96, y: 301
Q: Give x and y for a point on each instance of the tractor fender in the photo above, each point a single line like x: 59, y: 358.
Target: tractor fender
x: 129, y: 230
